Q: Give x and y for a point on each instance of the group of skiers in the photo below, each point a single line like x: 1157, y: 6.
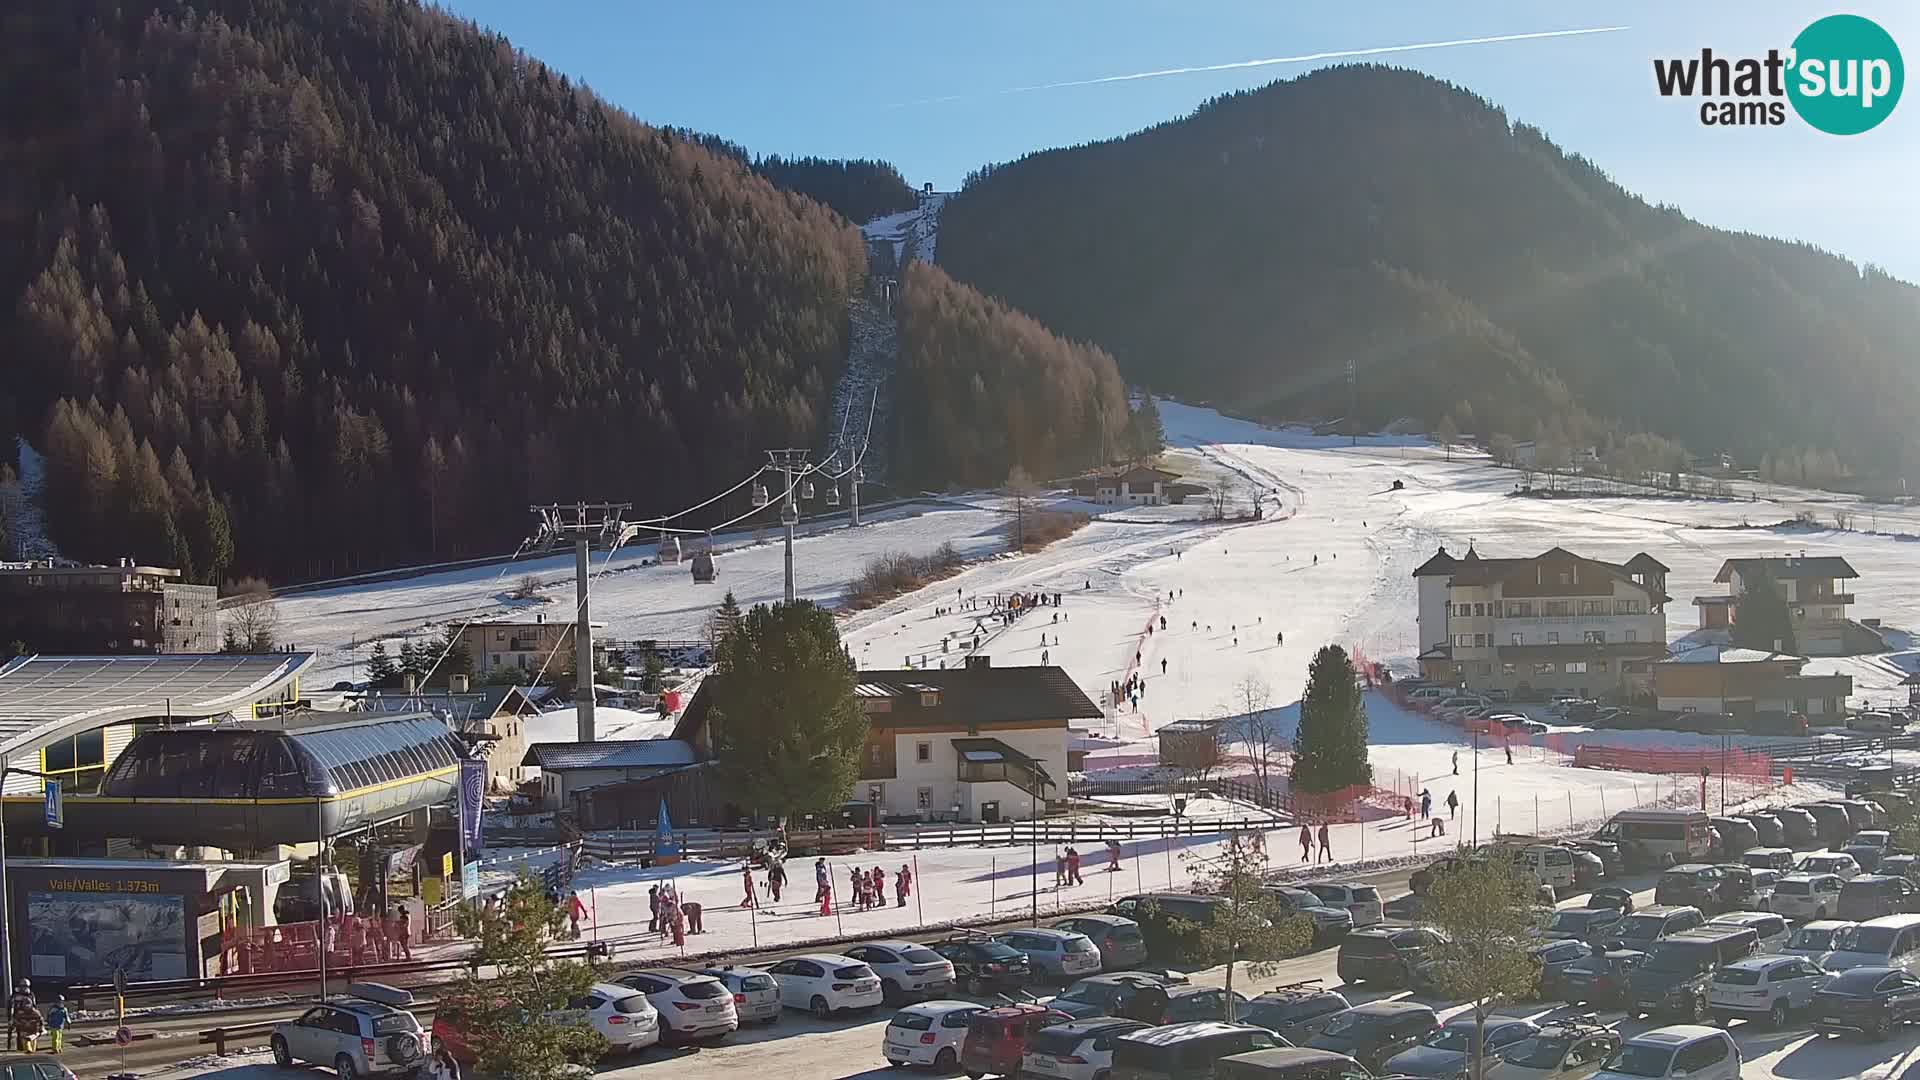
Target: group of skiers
x: 1426, y: 810
x: 25, y: 1021
x: 1130, y: 690
x: 673, y: 917
x: 867, y: 889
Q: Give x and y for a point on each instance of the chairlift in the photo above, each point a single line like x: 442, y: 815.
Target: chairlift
x: 806, y: 490
x: 760, y: 494
x: 833, y: 495
x: 703, y: 568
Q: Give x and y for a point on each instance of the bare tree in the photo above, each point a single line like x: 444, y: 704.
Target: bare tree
x: 1260, y: 737
x: 1843, y: 520
x: 252, y: 618
x: 1448, y: 433
x: 527, y: 588
x: 1500, y: 446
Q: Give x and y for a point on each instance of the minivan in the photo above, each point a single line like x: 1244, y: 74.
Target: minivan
x: 1871, y: 896
x: 1673, y: 980
x: 1889, y: 941
x: 1736, y: 835
x: 1768, y: 858
x: 1646, y: 836
x: 1155, y: 912
x: 1833, y: 821
x: 1546, y: 864
x: 1184, y: 1051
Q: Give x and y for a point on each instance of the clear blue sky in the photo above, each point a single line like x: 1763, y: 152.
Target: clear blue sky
x: 830, y: 79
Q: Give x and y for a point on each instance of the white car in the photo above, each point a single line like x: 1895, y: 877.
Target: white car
x: 1770, y: 927
x: 929, y: 1033
x: 1844, y: 867
x: 1693, y: 1051
x: 1764, y: 986
x: 1080, y: 1050
x: 692, y: 1007
x: 622, y: 1015
x: 906, y: 970
x: 826, y: 983
x: 1807, y: 896
x: 1360, y: 901
x: 1816, y: 939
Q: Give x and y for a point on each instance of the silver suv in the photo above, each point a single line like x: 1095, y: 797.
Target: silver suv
x: 371, y: 1034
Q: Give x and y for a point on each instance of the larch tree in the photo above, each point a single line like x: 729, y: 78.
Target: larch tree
x: 1762, y: 620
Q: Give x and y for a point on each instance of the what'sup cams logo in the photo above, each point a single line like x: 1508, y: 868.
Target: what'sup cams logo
x: 1842, y: 75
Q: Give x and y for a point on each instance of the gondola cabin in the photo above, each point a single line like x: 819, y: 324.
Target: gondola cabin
x: 703, y: 569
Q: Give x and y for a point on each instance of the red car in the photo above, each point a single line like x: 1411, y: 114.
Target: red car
x: 996, y: 1038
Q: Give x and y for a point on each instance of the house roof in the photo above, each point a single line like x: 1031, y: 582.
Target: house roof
x: 1439, y: 565
x: 1474, y: 570
x: 1644, y: 563
x: 1728, y: 654
x: 610, y: 754
x: 1716, y: 601
x: 1044, y: 696
x: 1789, y: 567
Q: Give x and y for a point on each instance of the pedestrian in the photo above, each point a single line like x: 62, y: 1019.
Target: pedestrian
x: 1453, y: 804
x: 1326, y: 843
x: 1426, y: 803
x: 901, y: 881
x: 879, y: 887
x: 1073, y: 866
x: 1456, y: 763
x: 1439, y: 826
x: 653, y: 905
x: 776, y: 877
x: 576, y: 910
x: 857, y: 884
x: 1113, y: 856
x: 1043, y: 656
x: 1059, y: 869
x: 1280, y: 639
x: 1306, y: 843
x: 24, y: 1016
x: 1163, y: 665
x: 746, y: 883
x: 404, y: 931
x: 57, y: 1022
x: 1509, y: 753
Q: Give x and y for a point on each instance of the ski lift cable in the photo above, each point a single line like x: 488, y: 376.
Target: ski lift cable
x: 447, y: 646
x: 772, y: 501
x: 578, y: 606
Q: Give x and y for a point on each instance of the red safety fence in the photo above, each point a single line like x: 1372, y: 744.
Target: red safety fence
x: 1689, y: 760
x: 352, y: 940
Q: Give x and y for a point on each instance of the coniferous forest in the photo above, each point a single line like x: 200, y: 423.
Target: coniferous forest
x: 1246, y: 253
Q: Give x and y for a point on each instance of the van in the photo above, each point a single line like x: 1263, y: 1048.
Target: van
x: 1871, y: 896
x: 1736, y: 835
x: 1889, y: 941
x: 1546, y: 864
x: 1427, y: 697
x: 1647, y: 836
x: 1768, y: 858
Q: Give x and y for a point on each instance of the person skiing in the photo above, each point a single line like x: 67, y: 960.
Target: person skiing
x: 1163, y: 622
x: 1280, y: 639
x: 746, y: 883
x: 1453, y: 804
x: 900, y: 885
x: 1326, y: 843
x: 1043, y: 656
x: 1163, y: 665
x: 57, y: 1022
x: 1306, y: 843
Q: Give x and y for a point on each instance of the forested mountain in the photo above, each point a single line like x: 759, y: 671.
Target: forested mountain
x: 301, y: 288
x: 861, y: 189
x: 1246, y: 253
x: 982, y: 388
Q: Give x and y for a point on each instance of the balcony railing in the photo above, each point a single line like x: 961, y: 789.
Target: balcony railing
x: 985, y: 772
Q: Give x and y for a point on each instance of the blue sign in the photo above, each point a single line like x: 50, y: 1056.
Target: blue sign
x: 56, y: 810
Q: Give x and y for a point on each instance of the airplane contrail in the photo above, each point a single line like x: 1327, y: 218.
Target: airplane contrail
x: 1303, y: 58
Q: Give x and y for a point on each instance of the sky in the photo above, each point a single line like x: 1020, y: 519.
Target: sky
x: 925, y: 86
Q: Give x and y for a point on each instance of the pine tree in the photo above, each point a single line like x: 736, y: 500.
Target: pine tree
x: 1763, y: 621
x: 786, y: 728
x: 213, y: 538
x: 458, y: 659
x: 1149, y: 435
x: 1330, y: 748
x: 381, y: 672
x: 723, y: 620
x: 410, y: 662
x: 511, y: 941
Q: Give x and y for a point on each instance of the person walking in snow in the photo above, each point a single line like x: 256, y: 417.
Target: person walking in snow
x: 776, y: 877
x: 1453, y: 804
x: 1280, y: 639
x: 1509, y: 753
x: 746, y: 881
x: 1059, y: 869
x: 821, y: 889
x: 901, y: 883
x: 1043, y: 656
x: 1073, y: 867
x: 1426, y: 803
x: 1326, y: 843
x: 1113, y: 856
x: 1163, y: 665
x: 1306, y: 843
x: 653, y: 906
x: 1456, y: 763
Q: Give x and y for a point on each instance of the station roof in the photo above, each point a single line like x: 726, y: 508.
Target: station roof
x: 48, y: 697
x: 610, y: 754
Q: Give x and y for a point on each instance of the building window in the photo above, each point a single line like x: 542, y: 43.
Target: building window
x: 1520, y: 609
x: 874, y: 753
x: 1479, y: 611
x: 1566, y: 577
x: 1479, y: 641
x: 1599, y: 665
x: 1633, y: 635
x: 1508, y: 670
x: 1595, y: 637
x: 1463, y: 641
x: 1593, y: 607
x: 923, y: 751
x: 1544, y: 667
x: 1553, y: 637
x: 1627, y: 607
x: 1517, y: 639
x: 1576, y: 667
x: 923, y: 799
x: 1486, y: 669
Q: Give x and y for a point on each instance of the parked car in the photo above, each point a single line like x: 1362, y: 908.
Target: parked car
x: 1612, y: 896
x: 1818, y: 938
x: 929, y: 1033
x: 997, y: 1038
x: 371, y: 1034
x: 1770, y: 929
x: 1641, y: 929
x: 1772, y: 833
x: 1373, y: 1032
x: 1868, y: 847
x: 1906, y: 866
x: 1827, y: 862
x: 1184, y: 1051
x: 907, y: 970
x: 1076, y: 1050
x: 756, y: 997
x: 1554, y: 958
x: 1695, y: 885
x: 1570, y: 1049
x: 1802, y: 829
x: 1443, y: 1054
x: 1764, y: 987
x: 1612, y: 860
x: 1599, y: 979
x: 1763, y: 883
x: 1423, y: 878
x: 1104, y: 995
x: 1738, y: 890
x: 1190, y: 1004
x: 1736, y: 835
x: 1155, y: 913
x: 1295, y: 1013
x: 1121, y: 945
x: 1289, y: 1063
x: 1384, y: 954
x: 1807, y: 896
x: 1869, y: 1000
x: 827, y: 983
x: 1875, y: 720
x: 1870, y: 896
x: 1360, y: 901
x: 1329, y: 923
x: 1889, y: 941
x: 1589, y: 924
x: 692, y: 1007
x: 1833, y: 822
x: 1768, y: 858
x: 33, y: 1067
x: 1692, y: 1051
x: 1673, y: 979
x: 1054, y: 954
x: 983, y: 966
x: 1862, y: 813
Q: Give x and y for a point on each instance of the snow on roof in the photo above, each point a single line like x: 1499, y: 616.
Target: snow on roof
x: 610, y: 754
x: 1727, y: 654
x: 1789, y: 567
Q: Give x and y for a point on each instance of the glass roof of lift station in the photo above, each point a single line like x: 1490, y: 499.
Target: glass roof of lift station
x: 301, y: 755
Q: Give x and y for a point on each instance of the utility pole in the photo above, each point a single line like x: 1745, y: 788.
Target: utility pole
x: 788, y: 463
x: 1353, y: 420
x: 580, y: 522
